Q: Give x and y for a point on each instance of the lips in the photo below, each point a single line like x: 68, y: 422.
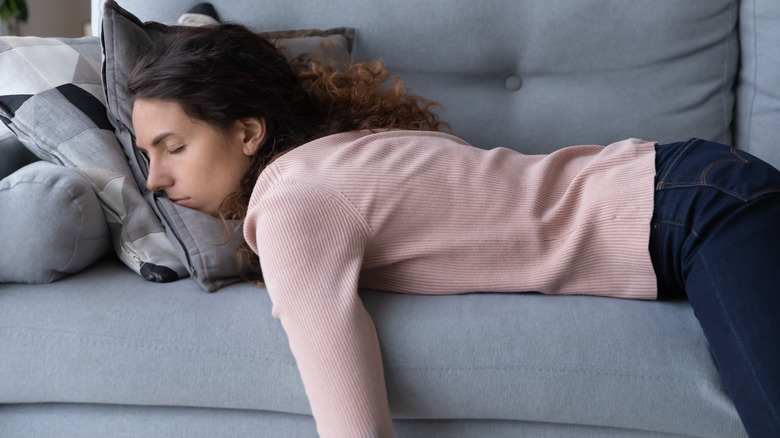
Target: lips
x: 180, y: 201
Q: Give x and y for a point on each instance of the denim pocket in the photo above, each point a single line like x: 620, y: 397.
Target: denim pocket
x: 697, y: 163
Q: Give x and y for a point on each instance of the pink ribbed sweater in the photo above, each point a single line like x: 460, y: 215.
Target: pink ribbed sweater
x: 425, y: 213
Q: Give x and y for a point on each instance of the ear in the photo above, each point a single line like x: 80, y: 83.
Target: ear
x: 252, y: 132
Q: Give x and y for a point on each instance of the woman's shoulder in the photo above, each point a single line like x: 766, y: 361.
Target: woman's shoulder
x: 355, y: 151
x: 358, y: 164
x: 377, y: 138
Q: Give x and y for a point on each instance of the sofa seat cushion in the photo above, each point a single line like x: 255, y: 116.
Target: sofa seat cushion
x: 106, y: 336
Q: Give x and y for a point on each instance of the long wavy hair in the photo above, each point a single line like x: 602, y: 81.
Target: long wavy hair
x: 220, y: 74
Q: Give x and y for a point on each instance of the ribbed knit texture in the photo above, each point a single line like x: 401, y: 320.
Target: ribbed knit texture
x: 425, y: 213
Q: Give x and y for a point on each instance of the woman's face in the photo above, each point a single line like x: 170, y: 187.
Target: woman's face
x: 194, y: 163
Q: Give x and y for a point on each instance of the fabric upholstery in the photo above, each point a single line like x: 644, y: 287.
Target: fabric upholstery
x: 13, y: 155
x: 758, y: 108
x: 522, y: 357
x: 51, y: 98
x: 537, y: 75
x: 93, y: 420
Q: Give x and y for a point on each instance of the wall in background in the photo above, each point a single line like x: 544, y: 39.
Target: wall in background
x: 56, y: 18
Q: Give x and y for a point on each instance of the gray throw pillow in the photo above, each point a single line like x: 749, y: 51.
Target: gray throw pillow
x: 51, y: 224
x: 200, y: 239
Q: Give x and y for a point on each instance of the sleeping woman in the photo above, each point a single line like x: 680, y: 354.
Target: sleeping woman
x: 344, y: 180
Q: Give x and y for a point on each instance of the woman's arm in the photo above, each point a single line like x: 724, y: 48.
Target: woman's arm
x: 311, y: 246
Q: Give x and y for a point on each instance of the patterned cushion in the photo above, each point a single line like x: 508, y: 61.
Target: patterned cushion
x: 45, y: 78
x: 51, y: 97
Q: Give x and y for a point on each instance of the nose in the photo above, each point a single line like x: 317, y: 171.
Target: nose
x: 158, y: 178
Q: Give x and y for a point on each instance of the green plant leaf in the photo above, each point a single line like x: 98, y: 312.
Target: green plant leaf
x: 10, y: 9
x: 5, y: 13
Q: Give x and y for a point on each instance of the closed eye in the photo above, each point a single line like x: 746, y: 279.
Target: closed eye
x: 175, y: 150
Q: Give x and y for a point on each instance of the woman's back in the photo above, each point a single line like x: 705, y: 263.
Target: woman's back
x: 440, y: 216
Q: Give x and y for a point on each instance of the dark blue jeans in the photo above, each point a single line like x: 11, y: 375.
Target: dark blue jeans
x: 715, y: 237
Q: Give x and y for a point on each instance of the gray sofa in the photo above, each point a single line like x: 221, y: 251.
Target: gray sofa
x: 104, y: 352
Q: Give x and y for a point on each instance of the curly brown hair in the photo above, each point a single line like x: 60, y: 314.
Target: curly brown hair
x: 220, y: 74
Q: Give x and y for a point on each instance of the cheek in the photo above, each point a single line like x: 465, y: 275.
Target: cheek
x: 229, y: 173
x: 239, y: 164
x: 219, y: 166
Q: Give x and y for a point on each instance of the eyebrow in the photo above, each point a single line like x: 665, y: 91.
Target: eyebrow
x: 161, y: 137
x: 158, y: 139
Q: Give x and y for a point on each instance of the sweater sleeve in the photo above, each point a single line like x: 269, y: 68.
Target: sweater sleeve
x: 311, y: 244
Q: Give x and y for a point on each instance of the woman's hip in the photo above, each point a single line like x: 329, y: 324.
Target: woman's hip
x: 701, y: 163
x: 706, y: 189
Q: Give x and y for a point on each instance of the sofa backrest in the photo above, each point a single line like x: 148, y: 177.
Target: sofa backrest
x: 535, y: 75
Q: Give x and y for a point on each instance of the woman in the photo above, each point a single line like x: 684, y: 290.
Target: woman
x: 343, y: 183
